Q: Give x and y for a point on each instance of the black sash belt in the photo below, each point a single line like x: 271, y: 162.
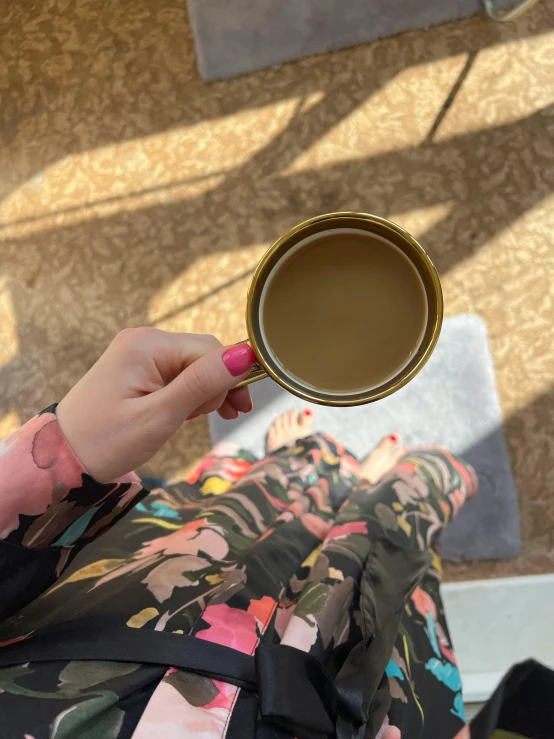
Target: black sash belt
x: 294, y: 690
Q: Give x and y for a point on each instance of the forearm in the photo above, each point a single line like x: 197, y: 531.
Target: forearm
x: 49, y: 508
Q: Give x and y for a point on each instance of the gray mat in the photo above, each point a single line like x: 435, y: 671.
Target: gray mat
x: 453, y: 402
x: 237, y: 36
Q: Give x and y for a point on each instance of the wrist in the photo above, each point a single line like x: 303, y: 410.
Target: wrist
x: 74, y: 438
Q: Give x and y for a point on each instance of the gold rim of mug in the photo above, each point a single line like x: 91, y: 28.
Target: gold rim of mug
x: 361, y: 397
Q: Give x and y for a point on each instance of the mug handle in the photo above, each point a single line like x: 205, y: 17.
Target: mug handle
x: 256, y: 373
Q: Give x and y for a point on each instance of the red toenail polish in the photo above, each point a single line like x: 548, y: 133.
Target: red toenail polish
x: 394, y: 438
x: 307, y: 412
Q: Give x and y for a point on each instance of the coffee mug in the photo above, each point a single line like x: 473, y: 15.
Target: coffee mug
x: 346, y: 261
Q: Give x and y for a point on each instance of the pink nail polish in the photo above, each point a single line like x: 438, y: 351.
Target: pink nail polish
x: 239, y: 359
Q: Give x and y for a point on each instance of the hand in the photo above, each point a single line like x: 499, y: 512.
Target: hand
x: 141, y: 390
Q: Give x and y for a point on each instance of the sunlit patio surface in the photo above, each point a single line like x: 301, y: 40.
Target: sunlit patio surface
x: 132, y: 193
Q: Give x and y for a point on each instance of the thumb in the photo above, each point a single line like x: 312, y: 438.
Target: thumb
x: 211, y: 375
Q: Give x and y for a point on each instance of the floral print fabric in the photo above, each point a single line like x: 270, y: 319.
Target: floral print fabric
x: 244, y: 550
x: 49, y: 508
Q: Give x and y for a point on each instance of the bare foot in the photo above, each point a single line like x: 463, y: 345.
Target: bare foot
x: 381, y: 459
x: 287, y: 428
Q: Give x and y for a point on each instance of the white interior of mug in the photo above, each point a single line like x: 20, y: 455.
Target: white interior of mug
x: 302, y: 244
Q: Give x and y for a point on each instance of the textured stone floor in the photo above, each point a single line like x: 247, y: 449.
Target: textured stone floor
x: 133, y: 193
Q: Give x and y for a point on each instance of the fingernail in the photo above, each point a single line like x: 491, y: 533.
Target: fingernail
x: 250, y: 406
x: 192, y: 415
x: 308, y: 412
x: 394, y: 438
x: 239, y: 359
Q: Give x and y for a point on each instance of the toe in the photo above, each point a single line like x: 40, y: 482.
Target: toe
x: 388, y: 442
x: 289, y: 421
x: 271, y: 436
x: 397, y: 454
x: 306, y: 420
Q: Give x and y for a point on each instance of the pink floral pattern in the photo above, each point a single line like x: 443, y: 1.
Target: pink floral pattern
x: 244, y: 549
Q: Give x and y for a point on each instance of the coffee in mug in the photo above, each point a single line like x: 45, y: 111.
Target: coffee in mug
x: 344, y: 309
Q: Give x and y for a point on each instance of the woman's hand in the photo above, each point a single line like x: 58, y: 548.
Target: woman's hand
x: 140, y: 391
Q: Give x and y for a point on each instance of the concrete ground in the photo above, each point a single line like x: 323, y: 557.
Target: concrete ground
x: 132, y: 193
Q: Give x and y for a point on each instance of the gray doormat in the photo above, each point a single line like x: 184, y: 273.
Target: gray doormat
x: 452, y: 402
x: 238, y: 36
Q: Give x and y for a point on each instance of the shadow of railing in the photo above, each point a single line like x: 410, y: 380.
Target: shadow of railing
x: 94, y: 257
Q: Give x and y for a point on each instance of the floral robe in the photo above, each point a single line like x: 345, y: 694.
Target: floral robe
x: 293, y: 550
